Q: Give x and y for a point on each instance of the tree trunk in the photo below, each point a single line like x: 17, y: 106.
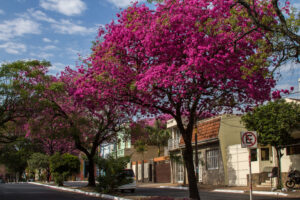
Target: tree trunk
x: 91, y: 178
x: 48, y: 174
x: 278, y: 156
x: 188, y: 161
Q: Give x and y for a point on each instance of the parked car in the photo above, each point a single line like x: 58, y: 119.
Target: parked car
x: 2, y: 180
x: 130, y: 186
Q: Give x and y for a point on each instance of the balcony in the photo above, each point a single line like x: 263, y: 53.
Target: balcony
x: 173, y: 144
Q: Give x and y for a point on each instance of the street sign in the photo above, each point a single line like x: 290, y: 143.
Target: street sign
x: 249, y: 139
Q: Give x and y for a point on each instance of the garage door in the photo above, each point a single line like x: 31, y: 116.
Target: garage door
x: 237, y: 165
x: 162, y: 172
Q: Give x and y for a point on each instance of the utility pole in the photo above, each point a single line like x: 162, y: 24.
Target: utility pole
x: 196, y: 152
x: 298, y: 88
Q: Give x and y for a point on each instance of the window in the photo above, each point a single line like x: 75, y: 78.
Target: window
x: 253, y: 154
x: 293, y: 150
x: 265, y: 154
x: 212, y: 159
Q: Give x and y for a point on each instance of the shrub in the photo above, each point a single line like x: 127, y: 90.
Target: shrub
x: 111, y: 176
x: 63, y: 166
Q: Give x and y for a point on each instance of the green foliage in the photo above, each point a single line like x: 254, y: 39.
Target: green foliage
x: 15, y: 155
x: 158, y: 135
x: 111, y: 176
x: 176, y: 158
x: 141, y: 146
x: 38, y: 161
x: 16, y: 100
x: 62, y: 166
x: 274, y: 122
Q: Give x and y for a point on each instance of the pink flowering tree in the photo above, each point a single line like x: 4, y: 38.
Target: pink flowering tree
x: 51, y: 133
x: 16, y: 100
x: 184, y: 59
x: 71, y: 112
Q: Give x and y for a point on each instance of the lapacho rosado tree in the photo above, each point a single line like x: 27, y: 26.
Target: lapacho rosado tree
x: 87, y: 118
x: 184, y: 59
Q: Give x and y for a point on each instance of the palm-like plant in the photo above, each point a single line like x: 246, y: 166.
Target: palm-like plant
x: 141, y: 147
x: 158, y: 135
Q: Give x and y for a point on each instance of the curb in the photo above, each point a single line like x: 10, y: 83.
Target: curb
x: 93, y: 194
x: 229, y: 191
x: 253, y: 192
x: 174, y: 187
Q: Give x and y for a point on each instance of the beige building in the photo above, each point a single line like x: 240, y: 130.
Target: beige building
x: 222, y: 160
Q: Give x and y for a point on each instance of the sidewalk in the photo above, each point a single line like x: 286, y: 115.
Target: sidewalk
x: 230, y: 189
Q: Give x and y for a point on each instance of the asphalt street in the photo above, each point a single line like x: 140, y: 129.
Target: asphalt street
x: 205, y: 195
x: 33, y: 192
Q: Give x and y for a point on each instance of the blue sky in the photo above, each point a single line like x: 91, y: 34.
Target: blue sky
x: 59, y: 30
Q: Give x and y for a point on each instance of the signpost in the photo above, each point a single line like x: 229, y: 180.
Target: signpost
x: 249, y: 140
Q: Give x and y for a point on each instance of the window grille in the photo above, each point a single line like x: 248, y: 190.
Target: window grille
x: 212, y: 159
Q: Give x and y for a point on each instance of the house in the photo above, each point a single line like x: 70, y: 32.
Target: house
x: 141, y: 163
x: 210, y: 160
x: 147, y: 166
x: 221, y: 159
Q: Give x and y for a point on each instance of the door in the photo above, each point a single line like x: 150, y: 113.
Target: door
x: 179, y: 172
x: 200, y: 167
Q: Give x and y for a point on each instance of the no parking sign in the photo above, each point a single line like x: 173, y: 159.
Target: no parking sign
x: 249, y: 139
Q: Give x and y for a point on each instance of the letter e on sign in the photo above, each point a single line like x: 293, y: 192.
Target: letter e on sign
x: 249, y: 139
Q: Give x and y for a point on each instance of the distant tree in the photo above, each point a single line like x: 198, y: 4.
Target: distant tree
x: 15, y: 155
x: 17, y: 104
x: 158, y: 135
x: 63, y: 166
x: 70, y: 113
x: 274, y: 123
x: 39, y: 162
x: 141, y: 147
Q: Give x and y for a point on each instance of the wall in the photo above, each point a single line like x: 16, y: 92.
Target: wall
x: 212, y: 176
x: 289, y: 161
x: 229, y: 134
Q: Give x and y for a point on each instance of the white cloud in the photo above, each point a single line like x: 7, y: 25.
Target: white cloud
x: 47, y: 40
x: 42, y: 55
x: 66, y: 7
x: 49, y: 47
x: 63, y: 26
x: 57, y: 67
x: 18, y: 27
x: 296, y: 5
x: 284, y: 86
x: 41, y: 16
x: 2, y: 12
x: 123, y: 3
x: 67, y: 27
x: 13, y: 48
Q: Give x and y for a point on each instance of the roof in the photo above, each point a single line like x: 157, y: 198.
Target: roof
x: 206, y: 130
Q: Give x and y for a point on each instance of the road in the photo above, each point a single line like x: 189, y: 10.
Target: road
x: 205, y: 195
x: 34, y: 192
